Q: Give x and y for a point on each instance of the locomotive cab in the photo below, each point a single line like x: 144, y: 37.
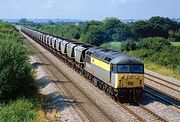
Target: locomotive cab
x: 128, y: 75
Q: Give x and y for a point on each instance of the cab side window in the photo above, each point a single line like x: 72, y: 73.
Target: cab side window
x: 114, y: 68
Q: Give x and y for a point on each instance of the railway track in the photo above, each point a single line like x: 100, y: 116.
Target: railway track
x: 174, y: 88
x: 162, y: 99
x: 54, y: 72
x: 58, y: 82
x: 177, y: 87
x: 145, y: 113
x: 152, y: 113
x: 88, y: 108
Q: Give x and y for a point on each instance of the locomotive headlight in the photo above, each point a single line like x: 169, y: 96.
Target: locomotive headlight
x: 137, y: 77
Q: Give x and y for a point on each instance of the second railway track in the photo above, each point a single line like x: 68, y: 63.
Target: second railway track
x: 162, y: 99
x: 163, y: 86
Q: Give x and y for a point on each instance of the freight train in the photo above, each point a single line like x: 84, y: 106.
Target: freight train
x: 119, y: 75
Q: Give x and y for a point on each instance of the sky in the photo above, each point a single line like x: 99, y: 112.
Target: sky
x: 88, y: 9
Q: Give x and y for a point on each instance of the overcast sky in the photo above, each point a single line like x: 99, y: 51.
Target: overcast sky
x: 89, y: 9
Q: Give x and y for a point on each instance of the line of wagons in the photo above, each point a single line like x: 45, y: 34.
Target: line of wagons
x: 119, y: 75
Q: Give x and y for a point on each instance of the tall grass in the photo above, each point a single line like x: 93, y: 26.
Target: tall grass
x: 20, y: 110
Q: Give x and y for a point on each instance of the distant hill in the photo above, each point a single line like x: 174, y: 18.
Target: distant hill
x: 176, y: 19
x: 70, y: 20
x: 45, y: 20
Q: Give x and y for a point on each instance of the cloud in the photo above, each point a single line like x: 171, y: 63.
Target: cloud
x: 69, y: 5
x: 49, y: 4
x: 117, y: 2
x: 17, y: 4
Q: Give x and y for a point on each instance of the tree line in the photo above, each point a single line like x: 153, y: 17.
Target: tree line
x: 148, y: 40
x: 112, y: 29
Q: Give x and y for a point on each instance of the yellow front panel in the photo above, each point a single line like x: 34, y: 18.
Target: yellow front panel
x: 101, y: 64
x: 130, y: 80
x: 117, y: 81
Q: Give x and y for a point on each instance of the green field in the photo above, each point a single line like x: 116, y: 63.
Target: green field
x: 112, y: 45
x: 175, y: 43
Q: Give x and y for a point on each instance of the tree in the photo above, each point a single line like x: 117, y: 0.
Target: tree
x: 162, y: 26
x: 165, y: 23
x: 95, y: 36
x: 116, y: 30
x: 50, y: 22
x: 86, y: 25
x: 154, y: 27
x: 141, y: 29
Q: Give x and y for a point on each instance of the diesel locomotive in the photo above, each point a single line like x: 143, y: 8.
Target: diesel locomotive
x: 119, y: 75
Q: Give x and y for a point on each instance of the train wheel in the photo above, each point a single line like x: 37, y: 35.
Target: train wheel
x: 105, y: 86
x: 85, y: 74
x: 100, y: 85
x: 110, y: 91
x: 96, y: 82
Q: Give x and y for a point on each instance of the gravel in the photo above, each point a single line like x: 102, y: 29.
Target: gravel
x: 164, y: 110
x: 146, y: 116
x: 54, y: 101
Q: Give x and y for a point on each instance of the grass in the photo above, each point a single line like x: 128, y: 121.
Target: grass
x: 19, y: 110
x: 175, y: 43
x: 22, y: 110
x: 162, y: 70
x: 112, y: 45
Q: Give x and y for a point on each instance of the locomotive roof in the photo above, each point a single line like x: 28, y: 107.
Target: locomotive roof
x: 113, y: 57
x: 125, y: 59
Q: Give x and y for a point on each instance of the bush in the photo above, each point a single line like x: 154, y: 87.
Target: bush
x: 128, y: 45
x: 22, y: 110
x: 157, y: 50
x: 156, y: 43
x: 15, y: 70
